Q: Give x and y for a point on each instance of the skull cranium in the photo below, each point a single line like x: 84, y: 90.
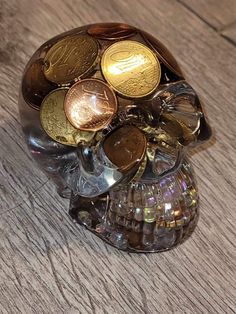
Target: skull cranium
x: 111, y: 200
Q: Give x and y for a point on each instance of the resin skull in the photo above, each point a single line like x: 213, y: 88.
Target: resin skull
x: 150, y: 204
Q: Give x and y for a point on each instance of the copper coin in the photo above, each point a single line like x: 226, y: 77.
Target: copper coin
x: 163, y: 53
x: 125, y: 147
x: 35, y: 86
x: 55, y: 123
x: 111, y: 31
x: 70, y: 58
x: 90, y: 105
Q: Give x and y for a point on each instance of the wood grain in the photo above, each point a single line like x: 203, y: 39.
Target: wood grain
x: 49, y: 265
x: 230, y: 33
x: 216, y: 13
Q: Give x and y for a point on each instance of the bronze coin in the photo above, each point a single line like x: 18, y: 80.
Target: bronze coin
x: 90, y: 105
x: 163, y: 53
x: 111, y: 31
x: 70, y: 58
x: 55, y: 123
x: 125, y: 147
x: 34, y: 85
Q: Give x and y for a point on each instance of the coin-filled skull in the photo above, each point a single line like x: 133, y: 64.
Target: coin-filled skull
x: 109, y: 117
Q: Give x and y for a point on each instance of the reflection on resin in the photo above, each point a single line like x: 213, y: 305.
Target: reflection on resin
x: 109, y: 117
x: 140, y: 216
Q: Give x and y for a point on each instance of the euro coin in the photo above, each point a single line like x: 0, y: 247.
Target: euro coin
x: 90, y: 105
x: 163, y: 53
x: 125, y: 147
x: 55, y: 123
x: 131, y: 68
x: 70, y: 58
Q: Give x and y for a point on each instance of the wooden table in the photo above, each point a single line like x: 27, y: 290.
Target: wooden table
x: 49, y: 265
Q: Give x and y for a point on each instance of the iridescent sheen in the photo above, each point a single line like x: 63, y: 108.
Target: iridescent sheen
x: 143, y: 217
x: 130, y: 182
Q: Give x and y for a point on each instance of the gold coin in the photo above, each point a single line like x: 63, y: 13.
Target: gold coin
x: 163, y: 53
x: 131, y: 68
x: 90, y: 105
x: 70, y: 58
x: 55, y: 123
x: 125, y: 147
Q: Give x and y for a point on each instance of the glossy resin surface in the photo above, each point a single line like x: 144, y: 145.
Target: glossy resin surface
x: 109, y: 117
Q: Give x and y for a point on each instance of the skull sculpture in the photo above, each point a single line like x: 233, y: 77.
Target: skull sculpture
x: 128, y: 179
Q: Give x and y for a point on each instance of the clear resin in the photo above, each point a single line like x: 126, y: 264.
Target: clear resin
x: 129, y: 180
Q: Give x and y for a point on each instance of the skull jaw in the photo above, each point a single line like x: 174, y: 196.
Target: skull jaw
x: 142, y: 217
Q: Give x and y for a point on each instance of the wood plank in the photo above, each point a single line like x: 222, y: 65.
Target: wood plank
x: 216, y: 13
x: 49, y: 265
x: 230, y: 33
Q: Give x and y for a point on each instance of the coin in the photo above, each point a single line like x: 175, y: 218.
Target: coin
x: 34, y: 85
x: 131, y: 68
x: 125, y: 147
x: 55, y: 123
x: 70, y: 58
x: 90, y: 105
x: 111, y: 31
x: 163, y: 53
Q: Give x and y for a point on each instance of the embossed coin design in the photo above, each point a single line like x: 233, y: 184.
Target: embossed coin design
x: 34, y: 85
x: 111, y: 31
x: 131, y: 68
x: 55, y: 123
x: 90, y: 105
x: 70, y: 58
x: 125, y: 147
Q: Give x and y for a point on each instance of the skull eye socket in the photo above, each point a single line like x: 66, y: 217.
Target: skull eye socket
x: 177, y: 130
x: 182, y: 105
x: 125, y: 147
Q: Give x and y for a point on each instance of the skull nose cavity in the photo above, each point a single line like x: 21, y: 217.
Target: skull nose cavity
x: 117, y: 158
x: 125, y: 147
